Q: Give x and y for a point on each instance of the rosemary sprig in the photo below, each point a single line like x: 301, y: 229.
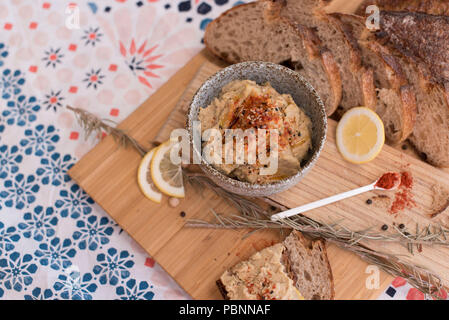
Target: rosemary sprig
x: 245, y: 206
x: 92, y: 124
x: 431, y: 235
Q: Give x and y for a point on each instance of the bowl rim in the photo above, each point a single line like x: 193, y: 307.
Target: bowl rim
x: 208, y: 168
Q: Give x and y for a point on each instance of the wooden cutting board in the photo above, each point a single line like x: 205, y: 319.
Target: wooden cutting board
x: 195, y: 258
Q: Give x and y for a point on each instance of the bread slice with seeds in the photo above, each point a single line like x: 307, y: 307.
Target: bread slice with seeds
x: 254, y: 32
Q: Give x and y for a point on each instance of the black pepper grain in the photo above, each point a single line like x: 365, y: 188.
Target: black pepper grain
x: 369, y: 201
x: 384, y: 227
x: 423, y: 156
x: 401, y: 226
x: 404, y: 147
x: 182, y: 214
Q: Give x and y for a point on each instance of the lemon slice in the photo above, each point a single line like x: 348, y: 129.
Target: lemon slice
x: 167, y: 176
x: 144, y: 180
x: 360, y: 135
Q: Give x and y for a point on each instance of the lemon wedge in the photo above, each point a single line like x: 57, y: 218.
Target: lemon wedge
x: 360, y: 135
x: 167, y: 176
x: 144, y: 180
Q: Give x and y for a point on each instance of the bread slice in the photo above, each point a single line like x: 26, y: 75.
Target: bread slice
x: 305, y: 262
x: 431, y: 133
x: 435, y: 7
x: 309, y: 267
x: 396, y: 102
x: 357, y: 90
x: 254, y: 32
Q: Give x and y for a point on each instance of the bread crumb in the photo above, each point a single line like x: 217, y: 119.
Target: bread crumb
x: 173, y: 202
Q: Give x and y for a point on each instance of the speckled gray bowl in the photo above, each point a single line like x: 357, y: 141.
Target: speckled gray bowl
x: 283, y: 80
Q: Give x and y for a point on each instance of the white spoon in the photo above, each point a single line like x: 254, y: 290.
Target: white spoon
x: 335, y: 198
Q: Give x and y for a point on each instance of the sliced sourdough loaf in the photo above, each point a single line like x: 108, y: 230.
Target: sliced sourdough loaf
x: 396, y: 102
x: 356, y: 80
x: 253, y: 32
x: 431, y: 132
x: 304, y: 262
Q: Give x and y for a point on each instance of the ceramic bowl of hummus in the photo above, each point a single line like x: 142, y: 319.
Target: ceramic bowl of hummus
x: 244, y: 103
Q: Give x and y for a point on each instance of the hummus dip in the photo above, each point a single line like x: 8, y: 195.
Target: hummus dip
x: 243, y: 104
x: 261, y: 277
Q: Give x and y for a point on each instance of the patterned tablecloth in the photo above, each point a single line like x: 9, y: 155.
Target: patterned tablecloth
x: 106, y: 57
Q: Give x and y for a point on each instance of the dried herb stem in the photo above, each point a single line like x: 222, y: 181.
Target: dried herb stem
x: 427, y: 236
x: 92, y: 124
x: 244, y: 205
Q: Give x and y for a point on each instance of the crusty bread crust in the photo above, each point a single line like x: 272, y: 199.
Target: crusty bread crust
x: 368, y: 89
x: 422, y: 36
x: 331, y: 67
x: 313, y: 46
x: 222, y: 289
x: 409, y: 111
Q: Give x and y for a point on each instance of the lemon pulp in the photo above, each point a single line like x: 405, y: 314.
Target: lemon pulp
x: 360, y: 135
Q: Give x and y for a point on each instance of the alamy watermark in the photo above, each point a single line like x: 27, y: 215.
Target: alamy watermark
x: 72, y: 20
x: 373, y: 20
x: 227, y: 147
x: 373, y: 280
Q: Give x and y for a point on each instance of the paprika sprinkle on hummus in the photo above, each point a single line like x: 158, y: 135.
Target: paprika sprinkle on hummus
x: 242, y: 111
